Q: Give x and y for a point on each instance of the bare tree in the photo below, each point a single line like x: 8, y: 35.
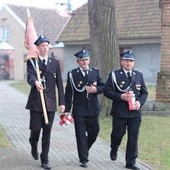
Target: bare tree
x: 103, y: 39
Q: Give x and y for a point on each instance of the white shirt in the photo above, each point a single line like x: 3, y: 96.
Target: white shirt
x: 130, y: 71
x: 83, y: 71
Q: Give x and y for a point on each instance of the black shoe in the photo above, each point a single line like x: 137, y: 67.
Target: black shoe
x: 83, y: 164
x: 46, y: 166
x: 35, y: 155
x: 34, y: 151
x: 132, y: 166
x: 113, y: 155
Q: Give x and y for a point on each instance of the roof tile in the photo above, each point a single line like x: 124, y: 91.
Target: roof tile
x: 46, y: 21
x: 135, y: 19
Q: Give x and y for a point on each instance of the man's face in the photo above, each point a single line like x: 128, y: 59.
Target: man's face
x: 83, y: 63
x: 43, y: 48
x: 127, y: 64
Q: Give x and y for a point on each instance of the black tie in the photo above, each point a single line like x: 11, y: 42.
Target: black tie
x: 86, y: 75
x: 129, y: 76
x: 44, y: 65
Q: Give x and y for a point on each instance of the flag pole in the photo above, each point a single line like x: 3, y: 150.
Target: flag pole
x: 30, y: 38
x: 41, y: 94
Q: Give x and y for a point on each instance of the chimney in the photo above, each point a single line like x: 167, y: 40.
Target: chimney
x: 65, y: 5
x: 69, y: 5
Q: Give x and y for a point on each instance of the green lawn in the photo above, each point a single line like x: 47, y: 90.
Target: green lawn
x: 4, y: 141
x: 154, y: 139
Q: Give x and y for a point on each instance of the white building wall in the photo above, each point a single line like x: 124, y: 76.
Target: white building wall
x: 147, y: 60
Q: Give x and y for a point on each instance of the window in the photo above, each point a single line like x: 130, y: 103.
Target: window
x: 4, y: 34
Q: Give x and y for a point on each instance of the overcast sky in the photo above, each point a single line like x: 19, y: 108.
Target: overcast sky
x: 44, y: 3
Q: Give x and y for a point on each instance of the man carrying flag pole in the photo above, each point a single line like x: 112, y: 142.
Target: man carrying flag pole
x: 30, y: 37
x: 43, y: 74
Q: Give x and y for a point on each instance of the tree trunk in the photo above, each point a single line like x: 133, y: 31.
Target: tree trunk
x: 103, y: 40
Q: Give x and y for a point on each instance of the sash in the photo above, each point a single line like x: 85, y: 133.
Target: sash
x: 115, y: 82
x: 73, y: 84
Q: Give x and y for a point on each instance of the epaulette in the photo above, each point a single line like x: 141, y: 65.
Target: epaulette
x: 70, y: 71
x: 95, y: 68
x: 137, y: 71
x: 112, y: 71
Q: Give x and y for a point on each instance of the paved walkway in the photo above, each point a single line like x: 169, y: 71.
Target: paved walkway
x: 63, y: 153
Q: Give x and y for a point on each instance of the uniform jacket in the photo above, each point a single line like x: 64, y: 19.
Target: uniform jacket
x: 53, y: 78
x: 83, y: 104
x: 137, y: 85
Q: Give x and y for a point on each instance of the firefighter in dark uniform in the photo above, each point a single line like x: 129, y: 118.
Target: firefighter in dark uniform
x: 127, y: 90
x: 83, y: 86
x: 50, y: 78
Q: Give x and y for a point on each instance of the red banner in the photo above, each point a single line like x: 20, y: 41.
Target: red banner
x: 30, y: 38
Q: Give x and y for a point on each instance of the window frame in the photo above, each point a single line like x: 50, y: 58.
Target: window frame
x: 4, y: 33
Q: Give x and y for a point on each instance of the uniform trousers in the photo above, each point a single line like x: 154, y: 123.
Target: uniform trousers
x: 37, y: 123
x: 119, y: 126
x: 86, y: 130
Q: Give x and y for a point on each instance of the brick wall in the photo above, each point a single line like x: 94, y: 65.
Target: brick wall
x: 163, y: 78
